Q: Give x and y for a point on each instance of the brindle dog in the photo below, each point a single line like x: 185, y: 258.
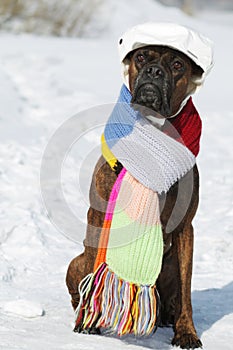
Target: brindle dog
x: 160, y: 78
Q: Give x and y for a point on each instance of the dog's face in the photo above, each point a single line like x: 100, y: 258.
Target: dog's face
x: 160, y: 78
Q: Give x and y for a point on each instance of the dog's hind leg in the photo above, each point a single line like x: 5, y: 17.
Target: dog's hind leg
x: 102, y: 183
x: 78, y: 269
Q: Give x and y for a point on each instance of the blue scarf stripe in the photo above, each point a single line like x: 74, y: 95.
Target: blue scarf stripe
x: 116, y: 128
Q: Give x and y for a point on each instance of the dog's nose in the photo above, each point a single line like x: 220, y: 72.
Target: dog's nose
x: 154, y: 72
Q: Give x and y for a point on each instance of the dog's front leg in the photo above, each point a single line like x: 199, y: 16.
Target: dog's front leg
x: 185, y: 333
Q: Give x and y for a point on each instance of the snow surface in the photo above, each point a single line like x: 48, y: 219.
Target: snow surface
x: 45, y: 81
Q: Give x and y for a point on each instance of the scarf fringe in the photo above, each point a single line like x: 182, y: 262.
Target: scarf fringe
x: 121, y: 307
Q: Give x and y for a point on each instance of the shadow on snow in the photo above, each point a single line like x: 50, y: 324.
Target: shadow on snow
x: 209, y: 306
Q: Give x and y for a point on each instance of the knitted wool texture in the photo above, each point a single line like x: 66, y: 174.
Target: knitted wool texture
x: 135, y: 244
x: 120, y: 295
x: 186, y: 127
x: 154, y: 159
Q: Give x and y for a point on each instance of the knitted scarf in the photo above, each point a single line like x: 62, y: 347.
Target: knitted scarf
x: 120, y: 295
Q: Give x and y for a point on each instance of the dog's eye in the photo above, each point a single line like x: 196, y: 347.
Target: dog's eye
x: 177, y: 65
x: 141, y: 58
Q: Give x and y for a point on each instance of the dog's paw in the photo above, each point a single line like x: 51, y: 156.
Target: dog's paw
x: 187, y: 341
x: 92, y: 330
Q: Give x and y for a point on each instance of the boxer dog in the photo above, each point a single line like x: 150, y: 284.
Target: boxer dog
x: 160, y: 78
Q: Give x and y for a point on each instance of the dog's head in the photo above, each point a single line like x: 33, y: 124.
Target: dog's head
x: 160, y: 78
x: 163, y: 64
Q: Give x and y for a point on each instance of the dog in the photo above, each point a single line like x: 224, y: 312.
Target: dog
x: 160, y: 78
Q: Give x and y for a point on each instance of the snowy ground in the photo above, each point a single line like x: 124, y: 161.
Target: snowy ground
x: 44, y: 81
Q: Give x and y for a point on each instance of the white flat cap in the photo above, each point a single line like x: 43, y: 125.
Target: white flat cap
x: 196, y: 46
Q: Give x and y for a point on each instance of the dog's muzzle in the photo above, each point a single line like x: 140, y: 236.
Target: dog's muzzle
x: 153, y: 90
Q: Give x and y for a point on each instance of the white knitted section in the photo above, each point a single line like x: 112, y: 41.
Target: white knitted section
x: 153, y: 158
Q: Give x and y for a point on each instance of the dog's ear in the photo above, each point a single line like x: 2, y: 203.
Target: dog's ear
x: 197, y: 72
x: 129, y: 55
x: 129, y: 70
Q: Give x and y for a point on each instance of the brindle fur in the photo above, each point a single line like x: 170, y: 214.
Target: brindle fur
x: 174, y: 282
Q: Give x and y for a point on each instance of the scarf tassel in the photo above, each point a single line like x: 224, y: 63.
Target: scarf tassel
x: 119, y: 306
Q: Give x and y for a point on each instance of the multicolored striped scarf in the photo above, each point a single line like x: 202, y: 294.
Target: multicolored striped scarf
x: 120, y: 295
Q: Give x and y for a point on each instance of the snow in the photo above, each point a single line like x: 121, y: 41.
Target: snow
x: 44, y: 82
x: 24, y: 308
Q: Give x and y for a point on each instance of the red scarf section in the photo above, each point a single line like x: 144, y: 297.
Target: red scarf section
x: 188, y: 125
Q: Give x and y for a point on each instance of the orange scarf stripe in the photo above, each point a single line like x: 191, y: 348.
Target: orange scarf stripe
x: 103, y: 242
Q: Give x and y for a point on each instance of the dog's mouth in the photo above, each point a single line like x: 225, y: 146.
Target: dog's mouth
x: 153, y: 98
x: 148, y: 95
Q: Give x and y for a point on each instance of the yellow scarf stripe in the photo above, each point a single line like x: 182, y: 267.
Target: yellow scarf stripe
x: 107, y: 154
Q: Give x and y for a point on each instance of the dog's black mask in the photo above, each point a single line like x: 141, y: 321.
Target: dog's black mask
x: 153, y: 88
x: 160, y: 78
